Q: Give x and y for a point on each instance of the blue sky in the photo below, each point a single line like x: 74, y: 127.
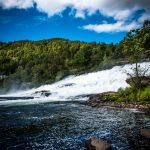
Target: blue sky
x: 44, y: 19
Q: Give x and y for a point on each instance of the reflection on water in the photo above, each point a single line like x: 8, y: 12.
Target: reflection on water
x: 66, y: 126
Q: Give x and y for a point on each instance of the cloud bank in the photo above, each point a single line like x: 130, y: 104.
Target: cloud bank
x: 120, y: 10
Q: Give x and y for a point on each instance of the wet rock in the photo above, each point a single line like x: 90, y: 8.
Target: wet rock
x: 66, y: 85
x: 145, y: 133
x: 80, y: 96
x: 43, y: 93
x: 102, y: 99
x: 97, y: 144
x: 101, y: 96
x: 99, y: 99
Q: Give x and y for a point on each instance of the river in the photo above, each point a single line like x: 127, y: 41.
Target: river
x: 67, y: 125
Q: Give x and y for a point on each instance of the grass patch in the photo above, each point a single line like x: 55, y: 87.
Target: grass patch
x: 131, y: 94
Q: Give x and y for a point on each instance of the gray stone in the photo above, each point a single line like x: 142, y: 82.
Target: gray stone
x: 97, y: 144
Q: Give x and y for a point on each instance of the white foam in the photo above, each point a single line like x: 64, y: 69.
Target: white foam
x: 73, y: 86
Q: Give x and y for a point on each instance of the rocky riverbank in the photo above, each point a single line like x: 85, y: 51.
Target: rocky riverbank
x: 102, y: 99
x: 142, y: 142
x: 99, y: 100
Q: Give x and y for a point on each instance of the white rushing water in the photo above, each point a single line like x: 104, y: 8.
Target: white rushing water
x: 73, y: 87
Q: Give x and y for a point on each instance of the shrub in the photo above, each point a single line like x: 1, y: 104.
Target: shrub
x: 120, y: 99
x: 144, y: 95
x: 127, y: 94
x: 132, y: 94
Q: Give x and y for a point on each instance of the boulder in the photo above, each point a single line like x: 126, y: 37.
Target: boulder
x: 97, y: 144
x: 99, y: 99
x: 145, y: 133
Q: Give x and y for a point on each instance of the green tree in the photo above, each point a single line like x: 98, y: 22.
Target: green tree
x: 133, y: 48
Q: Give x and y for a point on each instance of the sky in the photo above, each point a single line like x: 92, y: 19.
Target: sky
x: 85, y: 20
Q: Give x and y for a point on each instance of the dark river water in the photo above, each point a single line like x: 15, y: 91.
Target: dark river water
x: 67, y: 125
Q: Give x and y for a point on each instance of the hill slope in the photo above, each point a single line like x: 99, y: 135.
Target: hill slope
x: 46, y: 61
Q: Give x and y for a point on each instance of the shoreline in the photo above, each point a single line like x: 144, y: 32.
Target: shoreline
x: 98, y: 100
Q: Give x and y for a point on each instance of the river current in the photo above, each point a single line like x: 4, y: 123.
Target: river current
x: 67, y: 125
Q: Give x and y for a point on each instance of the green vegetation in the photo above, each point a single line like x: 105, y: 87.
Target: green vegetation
x: 134, y: 46
x: 25, y: 64
x: 28, y: 63
x: 131, y: 94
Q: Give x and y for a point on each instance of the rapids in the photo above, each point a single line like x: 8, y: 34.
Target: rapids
x: 76, y: 87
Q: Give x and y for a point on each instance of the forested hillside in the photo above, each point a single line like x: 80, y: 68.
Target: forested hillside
x: 32, y: 63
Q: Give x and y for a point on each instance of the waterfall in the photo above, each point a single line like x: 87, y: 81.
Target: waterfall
x: 75, y: 87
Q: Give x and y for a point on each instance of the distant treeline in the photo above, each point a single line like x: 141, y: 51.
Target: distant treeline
x: 32, y: 63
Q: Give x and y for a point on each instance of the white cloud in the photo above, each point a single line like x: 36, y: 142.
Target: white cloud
x: 115, y: 27
x: 144, y: 16
x: 120, y: 10
x: 51, y: 7
x: 22, y: 4
x: 80, y: 14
